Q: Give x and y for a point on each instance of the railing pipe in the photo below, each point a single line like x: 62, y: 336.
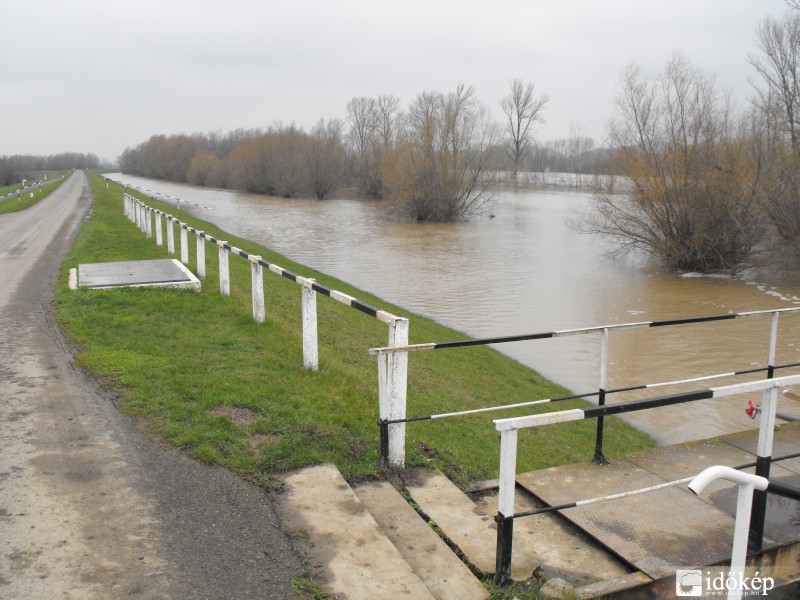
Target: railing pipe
x: 747, y: 485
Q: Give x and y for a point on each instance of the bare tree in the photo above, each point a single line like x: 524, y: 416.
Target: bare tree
x: 522, y: 110
x: 439, y: 170
x: 325, y: 157
x: 696, y: 183
x: 779, y: 68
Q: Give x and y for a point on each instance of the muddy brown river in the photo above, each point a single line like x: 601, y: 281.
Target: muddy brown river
x: 523, y: 269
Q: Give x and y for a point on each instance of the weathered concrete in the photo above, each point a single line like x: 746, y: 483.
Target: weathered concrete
x: 473, y: 531
x: 432, y: 560
x: 562, y: 548
x: 349, y: 554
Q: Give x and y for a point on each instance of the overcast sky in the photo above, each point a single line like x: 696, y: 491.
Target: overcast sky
x: 101, y: 75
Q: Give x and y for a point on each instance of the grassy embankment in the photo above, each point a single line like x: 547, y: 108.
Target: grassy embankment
x: 15, y: 204
x: 196, y: 369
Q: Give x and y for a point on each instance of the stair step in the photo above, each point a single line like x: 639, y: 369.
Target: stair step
x: 353, y: 558
x: 433, y: 561
x: 468, y: 527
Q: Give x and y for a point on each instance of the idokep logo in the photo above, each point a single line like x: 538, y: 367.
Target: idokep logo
x: 689, y: 582
x: 694, y: 582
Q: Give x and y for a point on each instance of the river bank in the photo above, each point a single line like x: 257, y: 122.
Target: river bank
x: 197, y: 370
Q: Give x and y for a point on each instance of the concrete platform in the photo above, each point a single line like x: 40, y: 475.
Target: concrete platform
x: 167, y: 272
x: 655, y: 532
x: 662, y: 530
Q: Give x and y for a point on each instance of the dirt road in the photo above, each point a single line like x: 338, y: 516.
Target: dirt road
x: 90, y: 507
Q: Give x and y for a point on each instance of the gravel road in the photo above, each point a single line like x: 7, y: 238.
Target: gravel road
x: 89, y: 506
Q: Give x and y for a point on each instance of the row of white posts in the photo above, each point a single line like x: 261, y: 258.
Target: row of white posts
x: 392, y: 369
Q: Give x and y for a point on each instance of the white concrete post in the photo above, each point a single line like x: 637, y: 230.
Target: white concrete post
x: 310, y: 337
x: 170, y: 235
x: 201, y: 255
x: 224, y: 270
x: 148, y: 223
x: 257, y: 279
x: 138, y: 215
x: 184, y: 244
x: 508, y: 472
x: 392, y: 383
x: 142, y: 216
x: 159, y: 230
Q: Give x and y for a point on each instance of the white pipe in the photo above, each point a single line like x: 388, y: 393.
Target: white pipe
x: 747, y: 483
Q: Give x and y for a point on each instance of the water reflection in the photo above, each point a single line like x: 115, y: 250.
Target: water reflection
x: 525, y: 271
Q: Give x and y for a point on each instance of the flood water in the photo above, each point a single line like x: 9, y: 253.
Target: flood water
x: 525, y: 270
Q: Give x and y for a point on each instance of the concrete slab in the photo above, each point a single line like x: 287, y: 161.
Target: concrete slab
x: 471, y: 529
x: 785, y: 441
x: 562, y: 548
x: 432, y: 560
x: 167, y: 272
x: 343, y: 543
x: 656, y: 532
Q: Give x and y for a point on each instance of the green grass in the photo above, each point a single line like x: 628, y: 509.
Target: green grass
x: 197, y: 370
x: 16, y: 204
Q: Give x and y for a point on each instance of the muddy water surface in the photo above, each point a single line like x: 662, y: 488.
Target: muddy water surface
x: 524, y: 270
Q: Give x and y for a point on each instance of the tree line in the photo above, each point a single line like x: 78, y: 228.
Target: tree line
x: 434, y: 159
x: 709, y: 187
x: 14, y: 169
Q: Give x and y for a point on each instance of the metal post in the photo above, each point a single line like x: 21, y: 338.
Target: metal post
x: 766, y: 431
x: 505, y: 506
x: 159, y: 231
x: 170, y: 235
x: 599, y: 457
x: 310, y: 338
x: 257, y: 279
x: 201, y: 255
x: 184, y: 244
x: 764, y: 452
x: 224, y: 270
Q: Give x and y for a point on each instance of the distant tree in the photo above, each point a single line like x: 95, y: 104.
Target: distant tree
x: 438, y: 171
x: 325, y: 157
x: 779, y: 68
x: 696, y: 183
x: 522, y: 110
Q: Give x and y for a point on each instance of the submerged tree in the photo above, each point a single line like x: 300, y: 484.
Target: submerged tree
x: 438, y: 171
x: 522, y: 110
x: 696, y: 183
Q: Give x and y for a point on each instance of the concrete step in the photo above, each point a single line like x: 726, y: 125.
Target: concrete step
x: 432, y: 560
x: 468, y: 527
x: 350, y: 555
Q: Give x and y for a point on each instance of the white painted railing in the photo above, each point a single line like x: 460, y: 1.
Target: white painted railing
x: 392, y: 381
x: 508, y: 429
